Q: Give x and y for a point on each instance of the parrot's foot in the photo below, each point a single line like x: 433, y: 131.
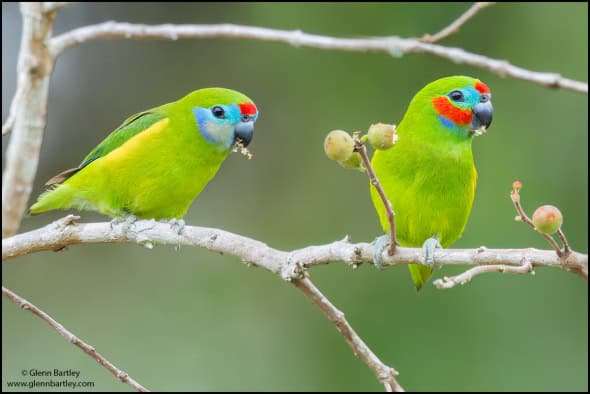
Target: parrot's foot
x: 428, y: 249
x: 379, y: 245
x: 177, y: 225
x: 125, y: 221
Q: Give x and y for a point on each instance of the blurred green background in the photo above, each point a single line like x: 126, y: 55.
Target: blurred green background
x: 194, y: 320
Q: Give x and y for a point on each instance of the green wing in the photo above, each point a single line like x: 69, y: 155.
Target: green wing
x: 131, y: 127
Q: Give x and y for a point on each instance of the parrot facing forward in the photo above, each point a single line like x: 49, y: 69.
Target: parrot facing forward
x: 157, y: 161
x: 429, y: 175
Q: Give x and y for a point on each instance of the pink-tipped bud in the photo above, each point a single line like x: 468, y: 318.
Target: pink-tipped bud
x: 338, y: 145
x: 547, y: 219
x: 382, y: 136
x: 517, y: 185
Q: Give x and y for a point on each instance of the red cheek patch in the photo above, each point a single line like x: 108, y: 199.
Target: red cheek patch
x: 457, y: 115
x: 248, y: 109
x: 482, y: 87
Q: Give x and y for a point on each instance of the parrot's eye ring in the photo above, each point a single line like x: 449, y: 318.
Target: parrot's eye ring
x: 246, y: 118
x: 457, y: 96
x: 484, y: 98
x: 218, y: 112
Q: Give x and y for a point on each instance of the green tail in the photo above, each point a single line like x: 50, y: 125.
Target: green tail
x: 60, y: 197
x: 420, y: 274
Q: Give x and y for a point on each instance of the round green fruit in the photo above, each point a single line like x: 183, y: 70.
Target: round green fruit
x: 338, y: 145
x: 547, y: 219
x: 382, y: 136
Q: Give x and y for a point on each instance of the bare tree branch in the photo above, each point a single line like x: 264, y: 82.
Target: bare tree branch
x: 457, y: 23
x: 65, y: 232
x: 384, y: 373
x: 86, y: 348
x: 448, y: 282
x: 395, y: 46
x: 27, y: 115
x: 53, y: 6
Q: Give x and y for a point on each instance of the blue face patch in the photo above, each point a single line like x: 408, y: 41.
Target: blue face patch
x: 217, y: 123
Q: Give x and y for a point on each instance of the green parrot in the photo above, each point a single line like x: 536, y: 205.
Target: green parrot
x: 157, y: 161
x: 429, y: 175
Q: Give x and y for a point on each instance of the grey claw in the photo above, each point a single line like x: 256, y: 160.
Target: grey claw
x: 379, y: 245
x: 428, y: 249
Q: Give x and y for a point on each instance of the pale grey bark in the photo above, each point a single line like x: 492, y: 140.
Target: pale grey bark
x: 288, y: 265
x: 27, y: 115
x: 393, y: 45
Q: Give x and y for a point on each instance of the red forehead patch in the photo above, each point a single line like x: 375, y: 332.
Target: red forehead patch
x: 248, y: 109
x: 482, y: 87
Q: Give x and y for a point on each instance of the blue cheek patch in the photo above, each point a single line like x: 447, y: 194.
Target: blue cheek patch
x: 460, y: 131
x: 446, y: 122
x: 203, y: 120
x: 219, y: 132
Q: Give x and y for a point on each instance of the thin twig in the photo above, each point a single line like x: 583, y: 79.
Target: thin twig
x: 515, y: 196
x: 70, y: 337
x: 457, y: 23
x: 448, y: 282
x: 395, y: 46
x: 384, y: 373
x: 362, y: 150
x: 566, y: 245
x: 62, y: 233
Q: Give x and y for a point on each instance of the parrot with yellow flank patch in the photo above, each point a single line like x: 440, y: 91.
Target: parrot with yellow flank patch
x: 158, y: 161
x: 429, y: 175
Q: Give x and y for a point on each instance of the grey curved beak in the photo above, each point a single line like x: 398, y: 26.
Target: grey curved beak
x: 244, y: 132
x: 482, y: 116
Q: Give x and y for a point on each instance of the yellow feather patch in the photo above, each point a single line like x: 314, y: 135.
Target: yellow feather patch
x: 135, y: 142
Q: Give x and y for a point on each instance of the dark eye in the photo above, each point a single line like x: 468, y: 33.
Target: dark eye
x: 246, y: 118
x: 457, y: 96
x: 218, y: 112
x: 484, y: 98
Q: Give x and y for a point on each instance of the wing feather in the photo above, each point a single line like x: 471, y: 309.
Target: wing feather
x: 130, y: 128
